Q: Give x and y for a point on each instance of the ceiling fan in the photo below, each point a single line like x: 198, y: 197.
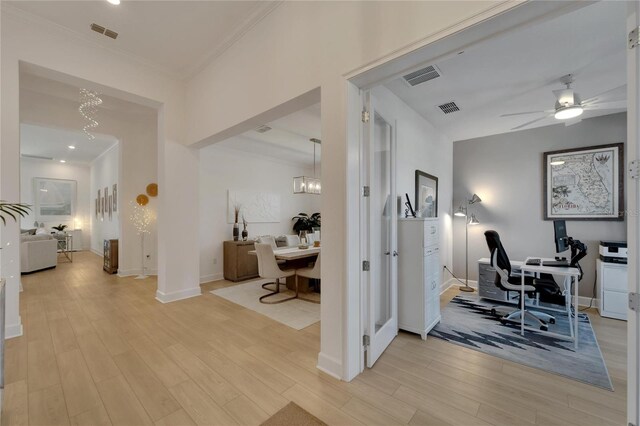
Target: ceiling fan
x: 569, y: 106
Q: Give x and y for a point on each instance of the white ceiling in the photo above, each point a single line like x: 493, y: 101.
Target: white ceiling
x: 54, y: 143
x: 288, y: 139
x: 518, y: 71
x: 179, y: 37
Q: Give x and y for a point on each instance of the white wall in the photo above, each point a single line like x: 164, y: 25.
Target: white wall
x: 31, y: 168
x: 420, y: 147
x: 223, y: 169
x: 506, y: 171
x: 105, y: 171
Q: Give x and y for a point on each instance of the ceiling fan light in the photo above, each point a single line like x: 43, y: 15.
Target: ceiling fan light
x: 567, y: 112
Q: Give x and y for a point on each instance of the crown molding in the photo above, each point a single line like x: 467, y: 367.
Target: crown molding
x: 258, y: 14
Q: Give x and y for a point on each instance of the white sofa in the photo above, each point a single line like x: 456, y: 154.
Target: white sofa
x: 38, y: 252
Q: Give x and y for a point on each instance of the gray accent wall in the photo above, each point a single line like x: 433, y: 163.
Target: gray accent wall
x: 506, y: 171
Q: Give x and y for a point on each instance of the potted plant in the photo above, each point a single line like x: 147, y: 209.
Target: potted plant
x: 60, y: 228
x: 13, y: 210
x: 304, y: 222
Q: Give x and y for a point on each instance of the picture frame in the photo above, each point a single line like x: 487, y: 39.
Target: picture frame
x: 584, y: 183
x: 105, y: 209
x: 426, y: 194
x: 54, y: 199
x: 114, y: 192
x: 99, y: 203
x: 110, y: 207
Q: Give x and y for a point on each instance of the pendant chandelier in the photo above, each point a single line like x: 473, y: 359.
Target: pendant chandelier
x: 306, y: 184
x: 89, y: 101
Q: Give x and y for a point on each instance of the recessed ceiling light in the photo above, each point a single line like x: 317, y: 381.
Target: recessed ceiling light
x: 63, y: 161
x: 115, y: 2
x: 71, y: 147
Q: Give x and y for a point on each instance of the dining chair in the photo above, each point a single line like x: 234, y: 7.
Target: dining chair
x: 268, y: 268
x: 311, y: 273
x: 271, y: 240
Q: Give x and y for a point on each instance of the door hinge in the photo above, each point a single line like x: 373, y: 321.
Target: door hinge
x: 634, y: 302
x: 634, y: 38
x: 634, y: 169
x: 366, y: 191
x: 365, y: 341
x: 366, y: 265
x: 365, y: 116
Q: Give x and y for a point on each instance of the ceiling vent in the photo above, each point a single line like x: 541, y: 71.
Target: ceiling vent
x: 104, y: 31
x: 263, y: 129
x: 422, y: 75
x: 39, y: 157
x: 449, y: 107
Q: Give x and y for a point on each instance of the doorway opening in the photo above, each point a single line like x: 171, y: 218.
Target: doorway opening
x: 474, y: 116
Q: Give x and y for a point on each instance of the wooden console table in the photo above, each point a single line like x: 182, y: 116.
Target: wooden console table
x: 238, y: 264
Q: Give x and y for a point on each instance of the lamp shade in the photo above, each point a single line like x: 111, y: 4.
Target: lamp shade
x: 306, y: 185
x: 475, y: 199
x: 474, y: 220
x: 460, y: 212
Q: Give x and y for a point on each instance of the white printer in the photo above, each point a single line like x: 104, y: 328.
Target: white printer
x: 613, y: 251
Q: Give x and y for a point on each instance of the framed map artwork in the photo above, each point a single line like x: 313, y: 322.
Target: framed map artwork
x: 585, y: 183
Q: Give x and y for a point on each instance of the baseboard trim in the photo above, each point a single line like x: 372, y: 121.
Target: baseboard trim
x: 131, y: 272
x: 452, y: 282
x: 329, y: 365
x: 13, y: 330
x: 211, y: 277
x: 96, y: 252
x: 584, y: 302
x: 177, y: 295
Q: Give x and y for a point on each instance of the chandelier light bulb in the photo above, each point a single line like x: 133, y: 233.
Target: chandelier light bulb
x: 89, y: 102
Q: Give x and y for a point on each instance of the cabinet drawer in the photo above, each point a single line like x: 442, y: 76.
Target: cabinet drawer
x: 614, y: 278
x: 615, y: 302
x: 431, y: 235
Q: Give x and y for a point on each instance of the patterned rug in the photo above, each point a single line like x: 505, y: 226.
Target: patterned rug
x: 467, y: 321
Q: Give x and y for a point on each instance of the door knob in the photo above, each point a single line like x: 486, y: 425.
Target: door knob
x: 395, y: 253
x: 387, y: 253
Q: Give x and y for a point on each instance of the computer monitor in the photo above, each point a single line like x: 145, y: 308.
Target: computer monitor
x: 560, y: 235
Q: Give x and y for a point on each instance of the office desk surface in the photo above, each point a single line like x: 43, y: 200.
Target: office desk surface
x: 292, y: 253
x: 554, y: 270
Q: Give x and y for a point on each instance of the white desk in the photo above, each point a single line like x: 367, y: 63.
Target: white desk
x: 568, y: 272
x: 292, y: 253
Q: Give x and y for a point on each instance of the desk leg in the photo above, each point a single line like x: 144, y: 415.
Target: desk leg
x: 576, y: 310
x: 522, y: 305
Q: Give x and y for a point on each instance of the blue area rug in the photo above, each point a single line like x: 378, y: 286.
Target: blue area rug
x: 467, y: 321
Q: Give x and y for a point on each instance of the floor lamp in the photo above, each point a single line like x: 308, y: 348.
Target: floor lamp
x: 141, y: 219
x: 463, y: 211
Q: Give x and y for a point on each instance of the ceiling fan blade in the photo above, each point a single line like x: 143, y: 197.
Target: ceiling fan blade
x: 522, y: 113
x: 531, y: 122
x: 595, y: 98
x: 572, y: 121
x: 565, y: 96
x: 607, y: 105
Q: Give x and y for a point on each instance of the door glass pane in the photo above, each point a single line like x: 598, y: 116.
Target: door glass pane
x: 381, y: 211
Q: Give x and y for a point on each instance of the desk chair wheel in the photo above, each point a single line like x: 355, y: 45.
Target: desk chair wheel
x: 493, y: 312
x: 552, y: 320
x: 544, y: 328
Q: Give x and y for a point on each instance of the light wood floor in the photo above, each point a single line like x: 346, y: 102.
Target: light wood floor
x: 98, y: 349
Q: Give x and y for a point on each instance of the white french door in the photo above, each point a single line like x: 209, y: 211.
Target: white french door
x: 633, y: 219
x: 379, y: 231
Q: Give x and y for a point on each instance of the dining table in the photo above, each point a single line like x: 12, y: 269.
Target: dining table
x: 295, y: 257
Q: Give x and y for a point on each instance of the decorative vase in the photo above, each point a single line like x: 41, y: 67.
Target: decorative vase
x: 245, y: 233
x: 236, y: 231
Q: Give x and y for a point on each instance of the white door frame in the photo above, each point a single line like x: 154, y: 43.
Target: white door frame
x: 633, y: 219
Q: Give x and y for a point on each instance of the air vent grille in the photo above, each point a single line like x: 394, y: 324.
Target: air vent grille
x: 449, y: 107
x: 422, y: 75
x: 38, y: 157
x: 263, y: 129
x: 111, y: 34
x: 104, y: 31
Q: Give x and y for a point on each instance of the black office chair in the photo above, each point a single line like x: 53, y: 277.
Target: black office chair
x: 506, y: 282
